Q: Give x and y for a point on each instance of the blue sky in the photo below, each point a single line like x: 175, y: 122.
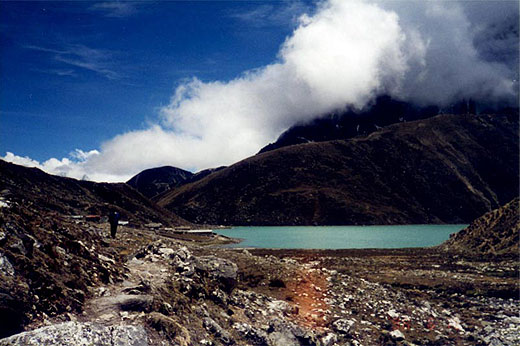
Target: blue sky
x: 103, y: 90
x: 74, y: 74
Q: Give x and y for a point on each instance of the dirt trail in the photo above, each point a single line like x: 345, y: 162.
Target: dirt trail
x: 310, y: 293
x: 132, y: 297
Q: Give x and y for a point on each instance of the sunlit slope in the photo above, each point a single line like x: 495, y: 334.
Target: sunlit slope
x: 495, y: 232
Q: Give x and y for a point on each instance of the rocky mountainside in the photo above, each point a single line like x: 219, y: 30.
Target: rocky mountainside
x: 494, y: 233
x: 445, y: 169
x: 51, y: 254
x: 154, y: 181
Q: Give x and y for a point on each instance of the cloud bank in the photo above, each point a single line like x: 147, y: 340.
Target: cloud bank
x: 343, y: 55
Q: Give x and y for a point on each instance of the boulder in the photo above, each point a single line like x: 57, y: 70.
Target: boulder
x: 6, y: 267
x: 80, y: 334
x: 219, y: 269
x: 282, y: 339
x: 132, y: 302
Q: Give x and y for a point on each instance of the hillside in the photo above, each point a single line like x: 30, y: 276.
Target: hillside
x: 496, y: 232
x: 445, y: 169
x: 50, y: 257
x: 154, y: 181
x: 66, y: 196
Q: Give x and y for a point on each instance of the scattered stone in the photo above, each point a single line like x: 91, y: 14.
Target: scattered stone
x: 455, y: 324
x: 6, y: 267
x: 251, y: 334
x: 166, y: 252
x: 329, y: 339
x: 214, y: 328
x: 343, y: 325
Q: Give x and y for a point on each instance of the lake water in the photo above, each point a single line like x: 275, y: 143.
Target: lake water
x: 341, y: 237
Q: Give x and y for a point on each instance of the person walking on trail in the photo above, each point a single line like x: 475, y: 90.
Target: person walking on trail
x: 113, y: 218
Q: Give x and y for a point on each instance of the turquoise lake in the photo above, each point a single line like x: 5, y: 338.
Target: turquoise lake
x: 341, y: 237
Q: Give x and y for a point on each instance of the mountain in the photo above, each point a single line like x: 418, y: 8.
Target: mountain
x: 350, y: 123
x: 445, y: 169
x: 496, y: 232
x: 382, y: 112
x: 66, y: 196
x: 154, y: 181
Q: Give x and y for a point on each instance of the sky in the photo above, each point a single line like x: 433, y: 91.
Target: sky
x: 104, y: 90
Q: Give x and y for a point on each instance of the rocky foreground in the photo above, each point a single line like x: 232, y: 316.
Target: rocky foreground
x: 164, y: 291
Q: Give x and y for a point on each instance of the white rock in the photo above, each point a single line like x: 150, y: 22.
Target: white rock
x: 80, y: 334
x: 392, y: 313
x: 455, y: 324
x: 5, y: 266
x: 397, y: 335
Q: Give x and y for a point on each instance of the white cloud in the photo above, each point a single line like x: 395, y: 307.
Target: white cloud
x: 343, y: 55
x: 83, y: 57
x: 115, y: 9
x: 452, y: 67
x: 78, y: 166
x: 264, y: 15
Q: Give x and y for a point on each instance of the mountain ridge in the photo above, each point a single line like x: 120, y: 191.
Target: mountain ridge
x: 445, y: 169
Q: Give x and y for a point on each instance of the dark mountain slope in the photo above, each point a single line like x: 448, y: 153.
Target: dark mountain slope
x: 494, y: 233
x: 443, y: 169
x: 68, y: 196
x: 154, y: 181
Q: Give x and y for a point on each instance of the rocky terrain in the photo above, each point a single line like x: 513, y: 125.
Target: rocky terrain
x: 445, y: 169
x: 52, y: 242
x: 63, y: 281
x: 174, y: 292
x: 496, y: 232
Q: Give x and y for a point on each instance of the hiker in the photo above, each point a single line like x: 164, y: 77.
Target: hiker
x: 113, y: 218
